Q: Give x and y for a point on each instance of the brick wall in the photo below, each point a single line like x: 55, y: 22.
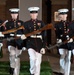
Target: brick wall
x: 2, y: 12
x: 44, y: 12
x: 4, y: 8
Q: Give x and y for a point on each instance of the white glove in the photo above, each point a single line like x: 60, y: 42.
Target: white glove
x: 5, y: 21
x: 59, y: 40
x: 67, y: 37
x: 23, y: 37
x: 24, y: 49
x: 42, y: 51
x: 61, y: 35
x: 1, y: 44
x: 9, y: 48
x: 71, y: 40
x: 1, y: 35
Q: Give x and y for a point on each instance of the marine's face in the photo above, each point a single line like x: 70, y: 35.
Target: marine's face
x: 33, y: 15
x: 65, y: 17
x: 60, y: 17
x: 14, y: 16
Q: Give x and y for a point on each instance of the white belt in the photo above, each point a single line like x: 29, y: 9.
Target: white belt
x: 11, y: 34
x: 38, y: 36
x: 18, y: 35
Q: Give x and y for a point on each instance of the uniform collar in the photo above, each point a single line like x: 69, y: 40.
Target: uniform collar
x: 13, y: 20
x: 63, y: 21
x: 33, y: 20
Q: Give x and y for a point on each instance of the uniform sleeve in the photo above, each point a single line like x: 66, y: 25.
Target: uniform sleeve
x: 70, y: 30
x: 57, y: 31
x: 6, y: 35
x: 2, y: 28
x: 20, y: 31
x: 44, y: 36
x: 26, y: 28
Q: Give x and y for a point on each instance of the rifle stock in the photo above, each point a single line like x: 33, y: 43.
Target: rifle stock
x: 13, y: 30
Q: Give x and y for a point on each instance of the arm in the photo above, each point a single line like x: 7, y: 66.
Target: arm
x: 58, y: 33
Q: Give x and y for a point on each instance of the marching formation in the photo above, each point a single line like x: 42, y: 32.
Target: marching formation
x: 36, y: 43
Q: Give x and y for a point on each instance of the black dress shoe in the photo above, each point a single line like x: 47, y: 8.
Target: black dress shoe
x: 61, y: 74
x: 11, y: 71
x: 58, y: 73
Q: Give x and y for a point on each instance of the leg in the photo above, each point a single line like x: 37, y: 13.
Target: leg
x: 73, y: 56
x: 68, y: 63
x: 62, y: 60
x: 1, y: 53
x: 32, y: 57
x: 17, y: 62
x: 12, y: 55
x: 73, y: 51
x: 17, y: 67
x: 38, y: 63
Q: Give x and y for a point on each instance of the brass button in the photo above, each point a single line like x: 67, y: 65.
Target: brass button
x: 35, y: 24
x: 34, y: 21
x: 34, y: 29
x: 65, y: 32
x: 64, y: 29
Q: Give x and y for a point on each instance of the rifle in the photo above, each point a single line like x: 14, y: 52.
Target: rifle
x: 58, y: 44
x: 46, y: 27
x: 13, y: 30
x: 3, y: 24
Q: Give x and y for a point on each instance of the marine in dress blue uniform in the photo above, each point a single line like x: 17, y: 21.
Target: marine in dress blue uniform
x: 35, y: 43
x: 61, y: 29
x: 14, y: 46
